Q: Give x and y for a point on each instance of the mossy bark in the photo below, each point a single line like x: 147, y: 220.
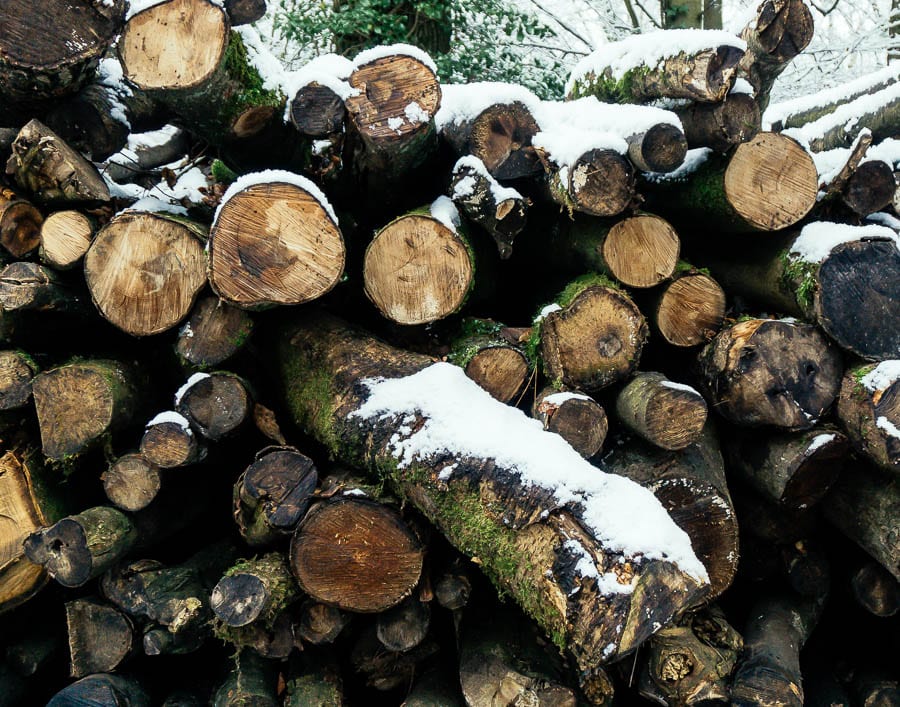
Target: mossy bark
x: 871, y: 417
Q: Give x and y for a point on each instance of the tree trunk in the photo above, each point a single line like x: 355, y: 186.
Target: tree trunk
x: 244, y: 12
x: 275, y: 242
x: 65, y: 237
x: 689, y: 309
x: 869, y: 410
x: 599, y: 182
x: 721, y: 126
x: 144, y: 270
x: 491, y: 356
x: 216, y: 405
x: 213, y: 333
x: 253, y: 590
x: 661, y: 148
x: 870, y: 188
x: 319, y: 623
x: 384, y: 670
x: 131, y: 482
x: 29, y: 287
x: 20, y: 224
x: 322, y: 364
x: 101, y: 637
x: 770, y: 372
x: 316, y: 111
x: 575, y: 417
x: 666, y: 414
x: 169, y: 442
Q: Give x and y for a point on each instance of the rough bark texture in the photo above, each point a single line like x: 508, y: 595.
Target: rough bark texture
x: 661, y: 148
x: 101, y: 637
x: 17, y: 369
x: 26, y: 286
x: 721, y: 126
x: 871, y: 417
x: 575, y: 417
x: 670, y: 416
x: 252, y: 681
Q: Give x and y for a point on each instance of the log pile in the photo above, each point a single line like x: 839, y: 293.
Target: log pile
x: 344, y: 386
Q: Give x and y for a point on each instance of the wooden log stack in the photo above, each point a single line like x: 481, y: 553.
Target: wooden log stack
x: 346, y: 386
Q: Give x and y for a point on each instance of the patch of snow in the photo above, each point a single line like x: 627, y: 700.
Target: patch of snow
x: 557, y: 399
x: 462, y: 102
x: 818, y: 442
x: 884, y: 375
x: 607, y: 583
x: 153, y: 138
x: 380, y: 52
x: 447, y: 472
x: 395, y: 124
x: 650, y: 49
x: 355, y: 492
x: 742, y: 85
x: 269, y: 67
x: 553, y: 307
x: 884, y: 219
x: 190, y: 383
x: 882, y: 423
x: 416, y: 114
x: 136, y: 6
x: 329, y: 70
x: 154, y: 204
x: 319, y: 147
x: 499, y: 192
x: 680, y: 386
x: 186, y: 331
x: 269, y: 176
x: 459, y: 417
x: 817, y: 240
x: 464, y: 188
x: 111, y: 76
x: 444, y: 210
x: 694, y: 159
x: 888, y: 150
x: 173, y: 417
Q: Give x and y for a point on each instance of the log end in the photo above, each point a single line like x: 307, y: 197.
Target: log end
x: 641, y: 251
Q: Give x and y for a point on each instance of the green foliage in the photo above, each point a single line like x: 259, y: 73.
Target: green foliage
x: 466, y: 43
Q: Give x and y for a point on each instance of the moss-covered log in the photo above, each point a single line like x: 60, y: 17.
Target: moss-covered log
x: 252, y: 590
x: 526, y: 541
x: 314, y: 680
x: 491, y: 355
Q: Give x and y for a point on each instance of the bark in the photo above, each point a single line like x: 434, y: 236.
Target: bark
x: 692, y: 487
x: 29, y: 500
x: 80, y: 404
x: 170, y: 442
x: 274, y: 243
x: 492, y: 357
x: 878, y: 111
x: 316, y: 111
x: 778, y: 525
x: 453, y: 589
x: 20, y: 224
x: 500, y: 211
x: 418, y: 270
x: 876, y: 590
x: 766, y: 184
x: 807, y: 569
x: 435, y: 688
x: 500, y: 136
x: 356, y: 554
x: 780, y: 30
x: 65, y: 237
x: 243, y: 12
x: 131, y: 482
x: 101, y: 638
x: 51, y: 170
x: 144, y: 270
x: 143, y: 157
x: 594, y: 340
x: 213, y: 333
x: 253, y: 590
x: 689, y: 309
x: 577, y: 418
x: 272, y: 494
x: 216, y: 405
x: 101, y: 690
x: 721, y: 126
x: 794, y: 470
x: 405, y: 626
x: 29, y: 287
x: 661, y: 148
x: 870, y: 188
x: 770, y: 372
x: 600, y: 182
x: 252, y: 681
x: 861, y: 505
x: 670, y: 416
x: 387, y: 670
x: 337, y: 357
x: 319, y: 623
x: 17, y: 369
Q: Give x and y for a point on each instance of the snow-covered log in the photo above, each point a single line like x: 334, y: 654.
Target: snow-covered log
x: 566, y: 546
x: 574, y: 416
x: 869, y: 410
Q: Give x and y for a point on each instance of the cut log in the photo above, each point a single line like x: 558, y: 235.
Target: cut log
x: 131, y: 482
x: 794, y: 470
x: 491, y: 356
x: 357, y: 555
x: 243, y: 12
x: 53, y: 172
x: 392, y: 111
x: 20, y: 224
x: 661, y: 148
x: 273, y: 494
x: 78, y: 548
x: 779, y: 31
x: 405, y: 626
x: 499, y: 210
x: 870, y: 188
x: 213, y: 333
x: 80, y: 403
x: 861, y: 505
x: 876, y: 590
x: 252, y: 681
x: 666, y: 414
x: 874, y: 688
x: 691, y: 662
x: 776, y: 525
x: 387, y: 670
x: 29, y: 287
x: 65, y: 237
x: 576, y: 417
x: 51, y: 49
x: 314, y: 680
x: 17, y: 369
x: 169, y: 442
x: 145, y: 269
x: 689, y: 309
x: 101, y: 638
x: 691, y: 486
x: 253, y: 590
x: 29, y: 500
x: 770, y: 372
x: 766, y: 184
x: 599, y: 181
x: 532, y: 554
x: 721, y: 126
x: 275, y: 240
x: 593, y: 337
x: 453, y: 589
x: 149, y: 151
x: 419, y: 268
x: 101, y: 690
x: 316, y: 111
x: 806, y: 567
x: 215, y: 404
x: 706, y: 74
x: 319, y: 623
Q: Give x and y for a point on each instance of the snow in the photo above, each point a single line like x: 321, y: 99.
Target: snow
x: 156, y: 205
x: 553, y: 307
x: 270, y: 68
x: 111, y: 76
x: 649, y: 49
x: 464, y: 188
x: 499, y: 192
x: 416, y: 114
x: 136, y: 6
x: 557, y: 399
x: 173, y: 417
x: 884, y: 375
x: 328, y: 70
x: 319, y: 147
x: 888, y: 150
x: 388, y: 50
x: 742, y: 85
x: 395, y: 124
x: 882, y: 423
x: 153, y: 138
x: 693, y: 160
x: 817, y: 240
x: 818, y: 442
x: 191, y: 382
x: 269, y: 176
x: 607, y: 583
x: 444, y: 210
x: 354, y: 492
x: 460, y: 418
x: 680, y: 386
x: 462, y: 102
x: 885, y: 219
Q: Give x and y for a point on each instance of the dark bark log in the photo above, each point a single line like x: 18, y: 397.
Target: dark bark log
x: 807, y: 569
x: 17, y: 369
x: 405, y: 626
x: 131, y: 482
x: 274, y: 243
x: 216, y: 405
x: 668, y: 415
x: 522, y: 551
x: 770, y: 372
x: 254, y: 590
x: 600, y: 182
x: 101, y: 638
x: 689, y: 309
x: 252, y: 681
x: 577, y: 418
x: 319, y: 623
x: 101, y: 690
x: 65, y: 237
x: 31, y: 287
x: 721, y: 126
x: 452, y: 589
x: 876, y: 590
x: 51, y: 170
x: 492, y: 357
x: 780, y: 30
x: 314, y: 680
x: 870, y: 188
x: 661, y: 148
x: 80, y: 404
x: 357, y: 555
x: 243, y: 12
x: 774, y: 524
x: 144, y: 270
x: 435, y: 688
x: 20, y: 224
x: 169, y: 442
x: 164, y: 146
x: 386, y: 670
x: 794, y: 470
x: 213, y: 333
x: 317, y: 111
x: 78, y: 548
x: 272, y: 495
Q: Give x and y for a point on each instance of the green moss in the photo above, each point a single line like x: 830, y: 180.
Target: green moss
x: 800, y: 277
x: 310, y: 398
x: 684, y: 266
x: 607, y: 88
x: 580, y: 284
x: 252, y: 93
x: 474, y: 335
x: 222, y: 173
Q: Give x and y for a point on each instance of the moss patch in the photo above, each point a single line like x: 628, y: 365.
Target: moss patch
x: 800, y: 278
x: 251, y: 94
